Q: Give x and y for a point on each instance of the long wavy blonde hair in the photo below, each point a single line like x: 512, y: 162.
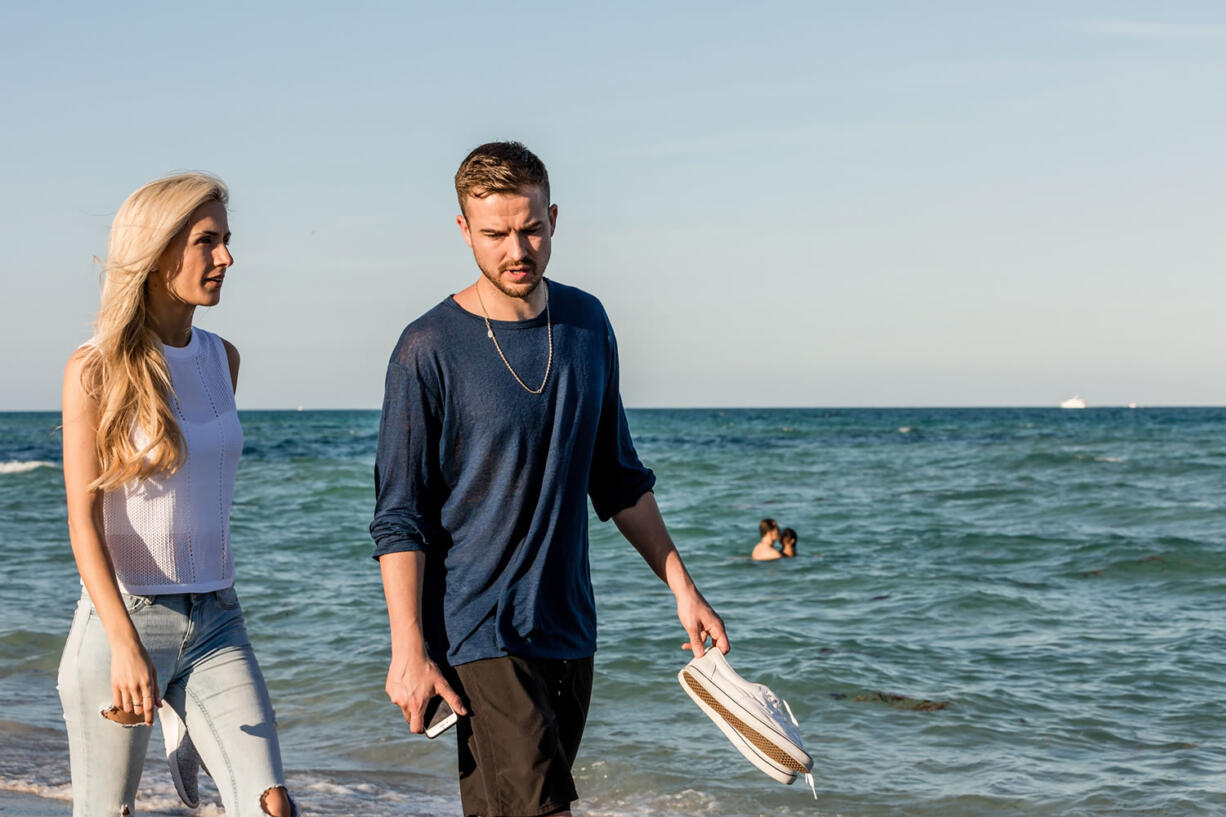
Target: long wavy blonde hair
x: 125, y: 367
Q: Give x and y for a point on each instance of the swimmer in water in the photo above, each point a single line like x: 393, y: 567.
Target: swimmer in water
x: 787, y: 539
x: 765, y: 550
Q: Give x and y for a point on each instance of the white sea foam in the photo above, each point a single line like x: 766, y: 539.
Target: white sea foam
x: 62, y: 792
x: 317, y: 795
x: 21, y: 467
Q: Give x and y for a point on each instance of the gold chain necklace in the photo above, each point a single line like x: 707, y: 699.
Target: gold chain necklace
x: 489, y: 332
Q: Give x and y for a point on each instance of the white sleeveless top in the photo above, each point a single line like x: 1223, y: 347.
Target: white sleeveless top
x: 171, y: 534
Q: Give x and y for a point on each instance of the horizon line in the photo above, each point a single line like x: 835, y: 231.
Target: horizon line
x: 834, y: 407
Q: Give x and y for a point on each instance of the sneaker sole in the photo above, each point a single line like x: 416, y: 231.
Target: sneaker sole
x: 773, y: 754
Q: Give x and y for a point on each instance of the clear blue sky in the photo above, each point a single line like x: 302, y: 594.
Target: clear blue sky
x: 940, y: 203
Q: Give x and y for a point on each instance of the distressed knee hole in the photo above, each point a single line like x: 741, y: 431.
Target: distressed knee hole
x: 117, y: 715
x: 281, y: 801
x: 125, y: 812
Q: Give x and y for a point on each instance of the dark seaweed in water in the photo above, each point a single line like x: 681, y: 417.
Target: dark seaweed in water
x: 902, y: 701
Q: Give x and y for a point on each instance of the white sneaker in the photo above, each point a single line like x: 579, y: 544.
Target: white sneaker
x: 185, y: 763
x: 749, y: 715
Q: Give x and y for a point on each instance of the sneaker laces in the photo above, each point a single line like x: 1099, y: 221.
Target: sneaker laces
x: 808, y: 775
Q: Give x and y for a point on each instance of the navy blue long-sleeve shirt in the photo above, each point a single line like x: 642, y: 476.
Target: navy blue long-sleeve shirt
x: 491, y: 481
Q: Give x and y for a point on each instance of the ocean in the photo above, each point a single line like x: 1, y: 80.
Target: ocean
x: 993, y: 612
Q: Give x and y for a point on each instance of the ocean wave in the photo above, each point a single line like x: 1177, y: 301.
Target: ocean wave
x: 317, y: 795
x: 57, y: 792
x: 23, y: 466
x: 159, y: 802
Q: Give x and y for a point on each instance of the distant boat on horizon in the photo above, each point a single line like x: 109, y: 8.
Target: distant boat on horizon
x: 1074, y: 402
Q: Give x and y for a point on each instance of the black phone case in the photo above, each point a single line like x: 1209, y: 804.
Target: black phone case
x: 437, y: 710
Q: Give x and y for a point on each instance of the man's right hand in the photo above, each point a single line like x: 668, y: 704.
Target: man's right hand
x: 411, y: 684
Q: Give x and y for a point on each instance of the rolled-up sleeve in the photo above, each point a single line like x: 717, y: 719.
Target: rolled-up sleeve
x: 407, y: 507
x: 618, y: 478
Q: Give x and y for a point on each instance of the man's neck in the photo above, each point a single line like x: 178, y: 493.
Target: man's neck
x: 483, y: 298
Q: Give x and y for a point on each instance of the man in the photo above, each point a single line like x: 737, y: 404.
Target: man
x: 765, y: 550
x: 501, y: 417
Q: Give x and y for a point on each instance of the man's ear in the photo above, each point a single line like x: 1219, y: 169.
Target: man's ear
x: 462, y: 223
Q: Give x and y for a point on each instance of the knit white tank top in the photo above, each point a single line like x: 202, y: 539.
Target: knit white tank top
x: 171, y: 534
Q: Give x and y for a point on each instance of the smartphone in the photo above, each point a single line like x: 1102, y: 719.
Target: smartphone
x: 439, y: 717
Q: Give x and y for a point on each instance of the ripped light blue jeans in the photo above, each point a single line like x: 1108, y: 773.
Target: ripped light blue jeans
x: 207, y: 672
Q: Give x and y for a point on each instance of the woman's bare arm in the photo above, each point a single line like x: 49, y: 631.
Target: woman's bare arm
x: 133, y: 678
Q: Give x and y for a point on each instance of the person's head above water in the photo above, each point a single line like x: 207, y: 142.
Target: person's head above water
x: 787, y: 538
x: 767, y: 527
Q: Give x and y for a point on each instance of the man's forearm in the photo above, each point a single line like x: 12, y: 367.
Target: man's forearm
x: 403, y: 576
x: 644, y: 527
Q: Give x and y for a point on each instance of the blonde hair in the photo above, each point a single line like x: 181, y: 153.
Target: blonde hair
x: 499, y: 167
x: 125, y: 368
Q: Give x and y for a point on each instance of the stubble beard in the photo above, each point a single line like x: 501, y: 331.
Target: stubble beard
x: 520, y: 291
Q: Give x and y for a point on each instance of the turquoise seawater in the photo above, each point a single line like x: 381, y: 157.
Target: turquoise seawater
x: 1056, y: 578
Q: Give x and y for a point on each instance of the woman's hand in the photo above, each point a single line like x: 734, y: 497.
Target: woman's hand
x: 134, y: 685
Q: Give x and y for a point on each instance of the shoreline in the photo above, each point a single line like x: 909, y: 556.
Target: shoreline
x: 26, y: 804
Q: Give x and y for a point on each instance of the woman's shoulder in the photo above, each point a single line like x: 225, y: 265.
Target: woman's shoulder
x: 87, y: 347
x: 80, y: 376
x: 232, y: 359
x: 229, y: 352
x: 216, y: 341
x: 81, y: 356
x: 206, y: 336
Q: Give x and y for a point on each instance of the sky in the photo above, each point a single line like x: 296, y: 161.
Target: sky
x: 779, y: 204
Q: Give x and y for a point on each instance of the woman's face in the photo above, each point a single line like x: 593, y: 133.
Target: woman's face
x: 194, y: 266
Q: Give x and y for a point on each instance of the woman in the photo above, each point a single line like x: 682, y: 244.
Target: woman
x: 151, y: 447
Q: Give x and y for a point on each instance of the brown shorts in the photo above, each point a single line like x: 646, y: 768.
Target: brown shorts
x: 517, y: 745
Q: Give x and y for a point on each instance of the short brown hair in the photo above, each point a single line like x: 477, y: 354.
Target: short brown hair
x: 500, y: 167
x: 767, y: 525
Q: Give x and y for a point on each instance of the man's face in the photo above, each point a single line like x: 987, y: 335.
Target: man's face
x: 509, y: 234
